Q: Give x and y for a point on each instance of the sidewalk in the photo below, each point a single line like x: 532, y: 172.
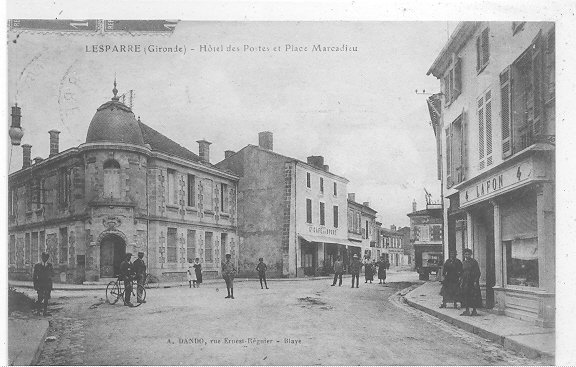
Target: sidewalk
x: 513, y: 334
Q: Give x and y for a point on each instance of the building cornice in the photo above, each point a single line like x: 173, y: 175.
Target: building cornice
x: 459, y: 37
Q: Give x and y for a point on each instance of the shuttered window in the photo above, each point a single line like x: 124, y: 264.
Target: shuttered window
x: 482, y: 50
x: 322, y: 214
x: 308, y: 211
x: 456, y: 151
x: 485, y: 130
x: 505, y: 113
x: 453, y: 81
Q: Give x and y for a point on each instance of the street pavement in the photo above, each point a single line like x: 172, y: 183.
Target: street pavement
x: 292, y: 323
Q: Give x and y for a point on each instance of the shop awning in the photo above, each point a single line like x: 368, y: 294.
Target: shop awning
x: 315, y: 238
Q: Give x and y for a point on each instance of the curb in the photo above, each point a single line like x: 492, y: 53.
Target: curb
x: 507, y: 343
x: 36, y: 356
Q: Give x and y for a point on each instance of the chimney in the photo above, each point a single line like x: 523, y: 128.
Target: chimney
x: 228, y: 153
x: 366, y: 203
x: 26, y: 154
x: 414, y: 206
x: 326, y: 168
x: 54, y: 142
x: 316, y: 161
x: 393, y: 228
x: 38, y: 160
x: 204, y: 150
x: 266, y: 140
x: 351, y: 196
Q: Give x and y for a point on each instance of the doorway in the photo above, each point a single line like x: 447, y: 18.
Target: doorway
x: 112, y: 251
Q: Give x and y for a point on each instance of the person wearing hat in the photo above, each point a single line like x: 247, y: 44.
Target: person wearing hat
x: 42, y: 279
x: 470, y: 284
x: 355, y: 267
x: 451, y: 271
x: 140, y: 270
x: 228, y: 273
x: 126, y: 277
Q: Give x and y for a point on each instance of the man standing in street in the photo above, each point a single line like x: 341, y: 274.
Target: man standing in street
x: 126, y: 276
x: 338, y: 268
x: 355, y: 267
x: 140, y: 270
x: 228, y: 273
x: 42, y: 278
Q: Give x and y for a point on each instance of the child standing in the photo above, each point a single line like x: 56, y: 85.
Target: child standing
x: 261, y: 269
x: 191, y: 274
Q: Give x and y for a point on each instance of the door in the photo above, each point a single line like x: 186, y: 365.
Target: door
x: 112, y: 250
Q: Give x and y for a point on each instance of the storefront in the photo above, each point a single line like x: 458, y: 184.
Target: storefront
x: 318, y: 254
x: 510, y: 228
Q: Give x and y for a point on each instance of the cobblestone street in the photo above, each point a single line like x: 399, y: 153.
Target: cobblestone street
x: 292, y: 323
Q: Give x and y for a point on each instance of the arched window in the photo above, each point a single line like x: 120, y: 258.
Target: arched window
x: 112, y: 187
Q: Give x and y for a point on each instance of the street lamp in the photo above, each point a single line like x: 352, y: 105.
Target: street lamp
x: 15, y: 132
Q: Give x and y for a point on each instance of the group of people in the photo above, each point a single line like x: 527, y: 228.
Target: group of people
x: 133, y: 271
x: 370, y: 268
x: 462, y: 283
x: 194, y: 273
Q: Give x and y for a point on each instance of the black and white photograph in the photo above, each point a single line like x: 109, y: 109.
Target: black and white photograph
x: 254, y: 190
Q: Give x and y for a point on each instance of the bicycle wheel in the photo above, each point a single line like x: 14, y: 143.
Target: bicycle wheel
x: 151, y: 282
x: 113, y: 292
x: 139, y: 290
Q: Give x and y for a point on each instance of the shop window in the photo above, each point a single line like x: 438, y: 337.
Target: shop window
x: 522, y: 262
x: 171, y: 245
x: 112, y: 186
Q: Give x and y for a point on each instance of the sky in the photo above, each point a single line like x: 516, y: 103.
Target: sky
x: 358, y: 109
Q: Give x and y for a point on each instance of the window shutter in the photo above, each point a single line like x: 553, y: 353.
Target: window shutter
x: 488, y: 130
x: 464, y: 149
x: 451, y: 86
x: 478, y: 52
x: 447, y: 89
x: 457, y: 78
x: 448, y: 160
x: 481, y: 142
x: 505, y: 99
x: 537, y: 67
x: 485, y: 46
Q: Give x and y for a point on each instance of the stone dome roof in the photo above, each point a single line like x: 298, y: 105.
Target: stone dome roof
x: 114, y: 122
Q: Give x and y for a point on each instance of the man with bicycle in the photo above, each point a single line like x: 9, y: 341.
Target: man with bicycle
x: 140, y: 270
x: 126, y: 276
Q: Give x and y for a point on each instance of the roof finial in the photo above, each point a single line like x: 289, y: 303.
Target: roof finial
x: 115, y: 91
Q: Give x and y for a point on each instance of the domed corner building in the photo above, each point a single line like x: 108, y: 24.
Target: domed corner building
x: 127, y: 189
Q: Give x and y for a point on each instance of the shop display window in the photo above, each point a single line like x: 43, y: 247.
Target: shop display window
x: 522, y: 262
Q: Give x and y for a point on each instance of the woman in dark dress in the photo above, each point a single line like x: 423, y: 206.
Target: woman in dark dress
x: 382, y: 266
x: 470, y: 284
x: 198, y: 269
x: 451, y: 285
x: 368, y: 271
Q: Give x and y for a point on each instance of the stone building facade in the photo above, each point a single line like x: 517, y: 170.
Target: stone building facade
x: 292, y: 213
x: 495, y: 121
x: 128, y: 188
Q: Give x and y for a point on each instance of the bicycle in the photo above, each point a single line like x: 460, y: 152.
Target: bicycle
x: 151, y: 282
x: 115, y: 290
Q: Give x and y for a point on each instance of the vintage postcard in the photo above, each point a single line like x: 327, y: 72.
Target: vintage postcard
x: 186, y: 192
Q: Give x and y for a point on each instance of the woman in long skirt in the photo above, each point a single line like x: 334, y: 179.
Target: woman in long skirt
x: 368, y: 271
x: 191, y: 274
x: 382, y: 269
x: 198, y: 269
x: 470, y: 284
